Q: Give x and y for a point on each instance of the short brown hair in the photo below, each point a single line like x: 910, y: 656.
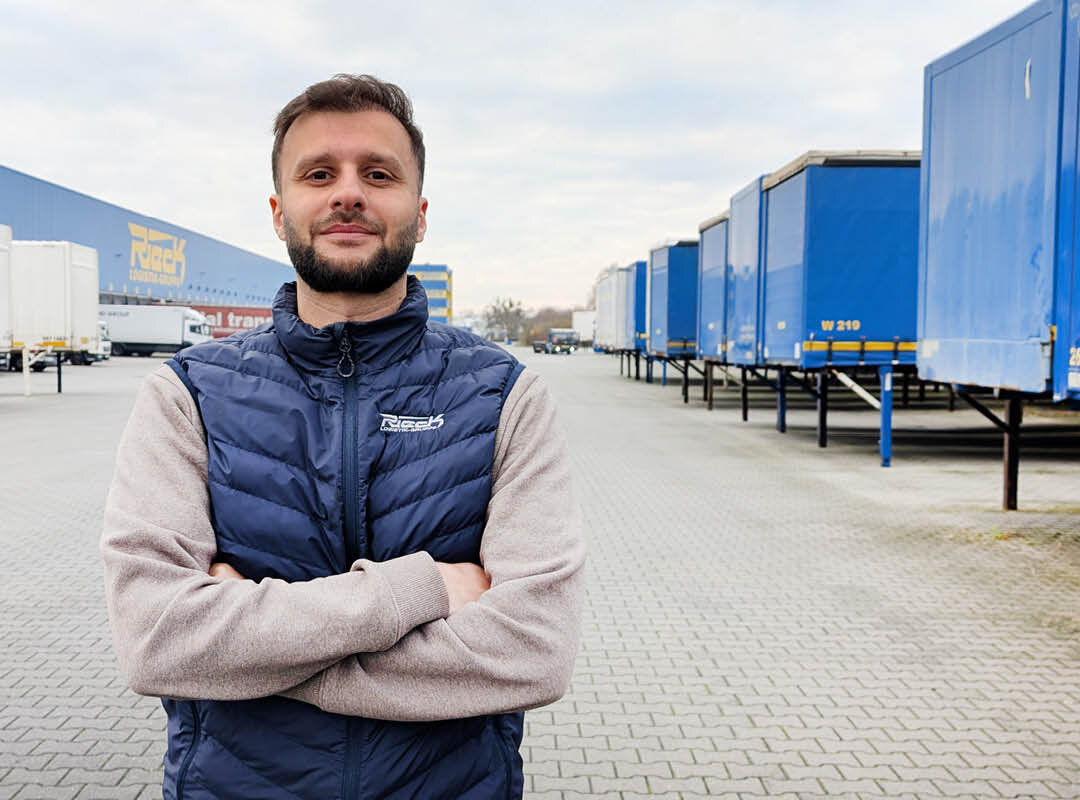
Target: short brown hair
x: 345, y: 92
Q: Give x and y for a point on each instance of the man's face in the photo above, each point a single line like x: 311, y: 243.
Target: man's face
x: 349, y: 207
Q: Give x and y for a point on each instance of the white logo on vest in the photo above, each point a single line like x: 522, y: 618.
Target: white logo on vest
x: 397, y: 423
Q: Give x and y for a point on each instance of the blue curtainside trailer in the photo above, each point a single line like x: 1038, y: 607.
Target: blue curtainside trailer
x: 712, y: 286
x: 742, y: 316
x: 998, y: 302
x: 672, y: 315
x: 671, y: 311
x: 998, y: 299
x: 634, y: 323
x: 841, y: 229
x: 839, y: 277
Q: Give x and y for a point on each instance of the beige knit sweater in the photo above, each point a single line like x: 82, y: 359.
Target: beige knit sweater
x: 376, y: 641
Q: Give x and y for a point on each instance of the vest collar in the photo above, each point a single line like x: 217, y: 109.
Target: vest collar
x: 373, y: 344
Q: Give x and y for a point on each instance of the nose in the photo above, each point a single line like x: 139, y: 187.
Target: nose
x: 348, y: 194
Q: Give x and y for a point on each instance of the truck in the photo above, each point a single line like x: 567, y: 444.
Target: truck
x: 105, y: 346
x: 562, y: 340
x: 154, y: 328
x: 52, y: 303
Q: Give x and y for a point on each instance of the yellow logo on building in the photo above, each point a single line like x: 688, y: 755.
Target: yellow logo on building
x: 156, y: 257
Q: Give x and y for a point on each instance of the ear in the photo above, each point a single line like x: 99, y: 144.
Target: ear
x: 421, y: 220
x: 278, y: 216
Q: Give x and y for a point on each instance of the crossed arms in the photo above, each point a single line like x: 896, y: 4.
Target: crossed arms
x: 379, y: 641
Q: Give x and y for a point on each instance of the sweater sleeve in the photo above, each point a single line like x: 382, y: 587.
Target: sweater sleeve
x: 513, y: 649
x: 179, y: 632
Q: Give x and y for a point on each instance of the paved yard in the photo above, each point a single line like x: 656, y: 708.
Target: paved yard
x: 764, y: 618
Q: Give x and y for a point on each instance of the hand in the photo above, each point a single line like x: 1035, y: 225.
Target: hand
x: 464, y: 583
x: 219, y: 569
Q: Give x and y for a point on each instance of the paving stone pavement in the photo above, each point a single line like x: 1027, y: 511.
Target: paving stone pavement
x: 763, y: 618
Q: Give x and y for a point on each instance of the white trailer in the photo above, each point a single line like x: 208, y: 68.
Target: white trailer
x: 623, y: 303
x: 53, y: 301
x: 604, y: 337
x: 157, y: 328
x: 5, y: 289
x: 584, y: 322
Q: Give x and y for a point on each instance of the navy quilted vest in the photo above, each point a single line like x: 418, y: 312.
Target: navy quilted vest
x: 304, y: 478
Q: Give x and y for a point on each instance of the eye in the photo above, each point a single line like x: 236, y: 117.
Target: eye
x: 319, y: 175
x: 379, y: 175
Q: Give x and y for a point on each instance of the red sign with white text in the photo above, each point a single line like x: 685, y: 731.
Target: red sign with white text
x: 227, y: 320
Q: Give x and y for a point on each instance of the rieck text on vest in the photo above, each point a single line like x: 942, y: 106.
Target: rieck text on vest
x: 397, y: 423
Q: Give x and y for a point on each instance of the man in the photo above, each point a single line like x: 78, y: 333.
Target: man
x: 295, y: 531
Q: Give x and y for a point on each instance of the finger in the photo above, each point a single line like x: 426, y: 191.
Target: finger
x: 222, y: 570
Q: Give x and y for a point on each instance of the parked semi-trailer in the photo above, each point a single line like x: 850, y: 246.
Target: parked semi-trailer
x: 52, y: 302
x: 584, y: 322
x: 147, y: 329
x: 5, y: 290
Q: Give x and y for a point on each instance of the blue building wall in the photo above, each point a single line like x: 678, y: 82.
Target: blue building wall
x: 438, y: 283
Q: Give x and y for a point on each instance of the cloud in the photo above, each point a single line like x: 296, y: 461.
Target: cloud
x: 562, y: 137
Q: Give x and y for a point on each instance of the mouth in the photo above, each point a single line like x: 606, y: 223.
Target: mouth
x: 344, y: 231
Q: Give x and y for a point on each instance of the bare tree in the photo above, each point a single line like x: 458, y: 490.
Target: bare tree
x: 538, y: 324
x: 504, y: 317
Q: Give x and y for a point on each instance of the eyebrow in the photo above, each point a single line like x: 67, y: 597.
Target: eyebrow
x: 370, y: 157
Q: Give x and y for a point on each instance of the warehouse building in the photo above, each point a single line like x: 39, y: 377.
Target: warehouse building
x: 140, y: 258
x: 438, y: 283
x: 144, y: 259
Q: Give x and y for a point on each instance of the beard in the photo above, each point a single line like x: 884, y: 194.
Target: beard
x: 362, y: 276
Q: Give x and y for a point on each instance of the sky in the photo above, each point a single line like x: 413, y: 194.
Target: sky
x: 562, y: 137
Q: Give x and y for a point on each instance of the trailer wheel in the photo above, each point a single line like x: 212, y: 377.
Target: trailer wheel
x: 118, y: 350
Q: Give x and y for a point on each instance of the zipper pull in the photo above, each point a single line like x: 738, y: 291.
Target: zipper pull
x: 345, y: 366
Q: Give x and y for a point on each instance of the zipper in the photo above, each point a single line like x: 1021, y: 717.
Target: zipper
x: 355, y: 546
x: 190, y: 753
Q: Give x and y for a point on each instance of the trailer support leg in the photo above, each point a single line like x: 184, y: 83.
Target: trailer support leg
x: 823, y: 408
x: 59, y: 373
x: 26, y: 370
x: 704, y: 385
x: 886, y: 374
x: 637, y: 366
x: 709, y: 385
x: 952, y: 398
x: 663, y: 372
x: 922, y: 391
x: 686, y: 382
x: 904, y: 385
x: 745, y: 397
x: 1013, y: 417
x: 781, y: 400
